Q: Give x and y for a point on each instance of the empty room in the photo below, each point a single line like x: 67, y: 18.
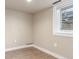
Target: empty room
x: 38, y: 29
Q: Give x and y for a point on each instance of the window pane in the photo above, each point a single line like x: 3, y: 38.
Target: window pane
x: 67, y: 18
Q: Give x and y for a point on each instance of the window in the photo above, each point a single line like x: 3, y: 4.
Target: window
x: 63, y: 21
x: 67, y: 18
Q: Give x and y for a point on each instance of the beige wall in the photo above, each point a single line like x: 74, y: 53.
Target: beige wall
x: 43, y: 37
x: 18, y: 26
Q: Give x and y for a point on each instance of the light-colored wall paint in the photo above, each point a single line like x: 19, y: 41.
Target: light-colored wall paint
x: 18, y: 26
x: 43, y: 36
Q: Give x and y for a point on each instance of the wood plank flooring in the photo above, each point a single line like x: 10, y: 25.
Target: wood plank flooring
x: 27, y: 53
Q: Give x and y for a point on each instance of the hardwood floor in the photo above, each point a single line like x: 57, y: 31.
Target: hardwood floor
x: 27, y: 53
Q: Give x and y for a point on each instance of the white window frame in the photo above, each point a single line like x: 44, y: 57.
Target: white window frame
x: 57, y: 23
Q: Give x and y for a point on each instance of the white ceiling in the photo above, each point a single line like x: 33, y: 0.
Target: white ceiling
x: 32, y: 7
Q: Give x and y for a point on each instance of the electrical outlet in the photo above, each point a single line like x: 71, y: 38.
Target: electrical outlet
x: 15, y: 41
x: 55, y: 44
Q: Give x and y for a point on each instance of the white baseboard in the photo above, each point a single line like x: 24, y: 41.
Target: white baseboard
x: 19, y: 47
x: 41, y: 49
x: 49, y: 52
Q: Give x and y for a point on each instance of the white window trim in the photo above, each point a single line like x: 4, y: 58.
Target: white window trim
x: 56, y: 24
